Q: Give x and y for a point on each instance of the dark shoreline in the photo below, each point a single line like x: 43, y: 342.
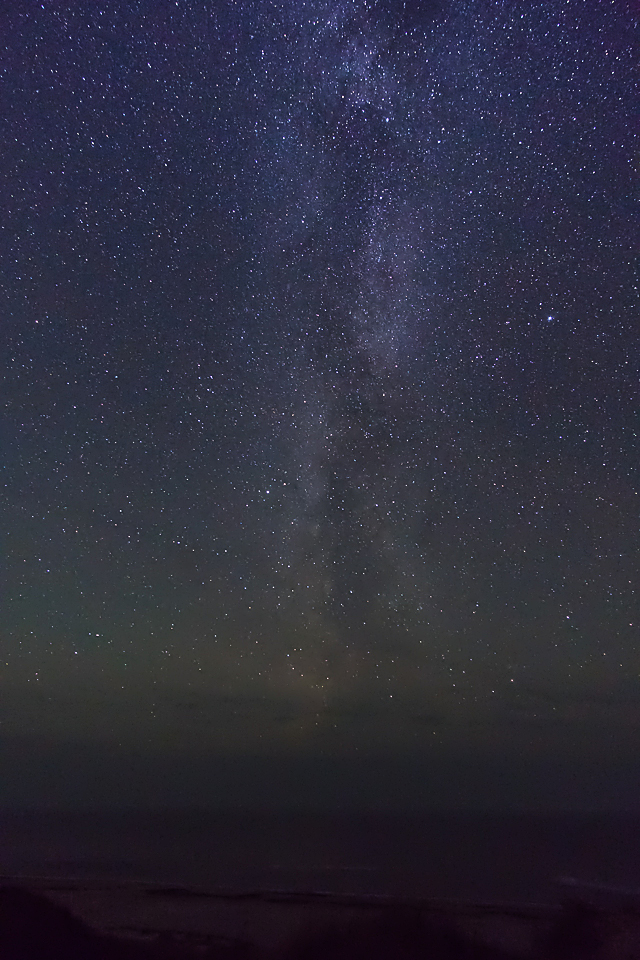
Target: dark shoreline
x: 268, y: 922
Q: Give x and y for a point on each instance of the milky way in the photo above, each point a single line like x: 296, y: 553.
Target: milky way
x: 322, y: 373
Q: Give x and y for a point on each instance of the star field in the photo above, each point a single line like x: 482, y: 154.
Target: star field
x: 321, y: 348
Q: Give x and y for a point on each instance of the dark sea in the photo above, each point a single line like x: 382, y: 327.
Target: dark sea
x: 480, y: 857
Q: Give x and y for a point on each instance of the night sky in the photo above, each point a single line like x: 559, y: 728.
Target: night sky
x: 320, y: 448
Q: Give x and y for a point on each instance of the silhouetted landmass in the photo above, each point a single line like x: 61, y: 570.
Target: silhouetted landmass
x: 400, y: 934
x: 32, y: 927
x: 581, y: 932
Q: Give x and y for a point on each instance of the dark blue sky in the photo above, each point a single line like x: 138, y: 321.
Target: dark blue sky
x: 320, y: 439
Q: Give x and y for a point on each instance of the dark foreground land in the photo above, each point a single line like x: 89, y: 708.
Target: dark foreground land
x: 42, y: 920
